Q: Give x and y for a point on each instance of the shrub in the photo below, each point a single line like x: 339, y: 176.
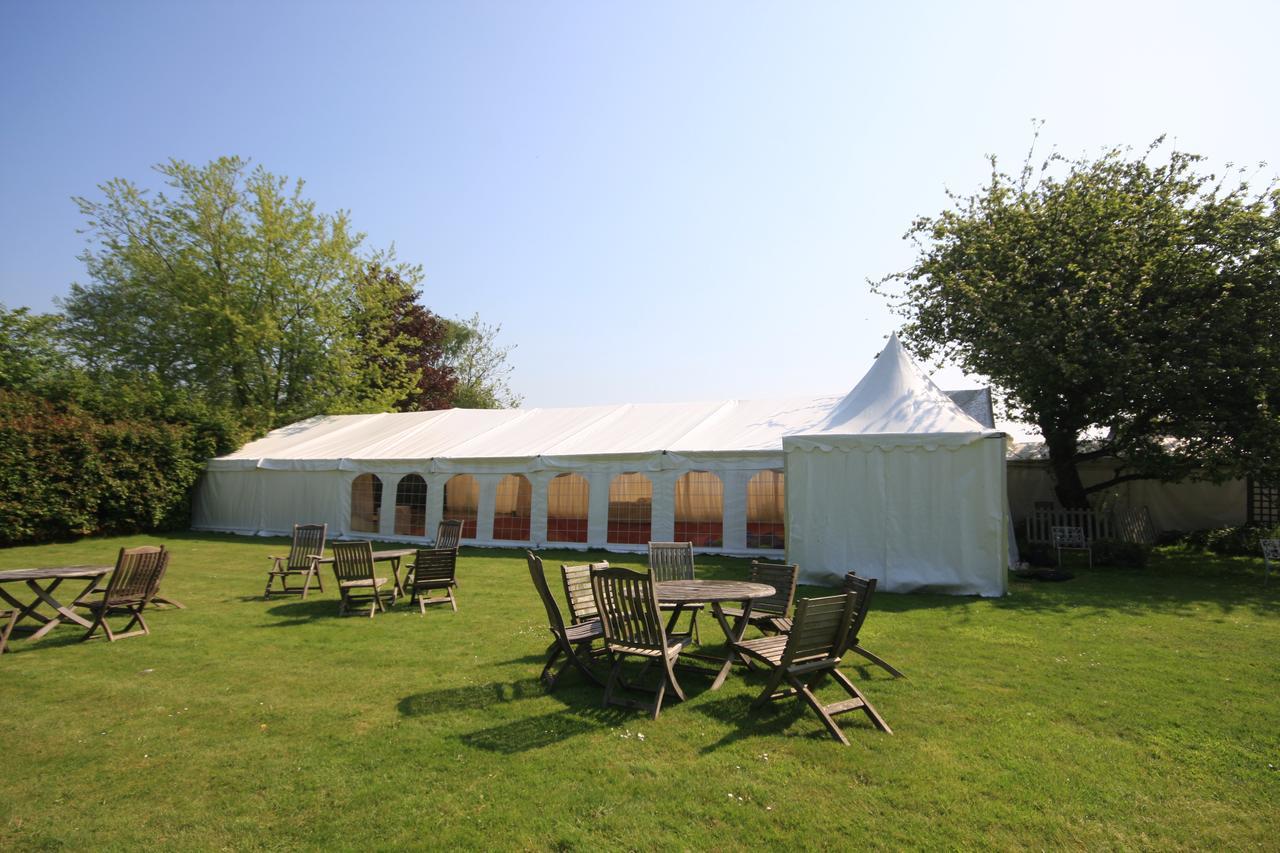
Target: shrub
x: 1128, y: 555
x: 1239, y: 541
x: 66, y: 472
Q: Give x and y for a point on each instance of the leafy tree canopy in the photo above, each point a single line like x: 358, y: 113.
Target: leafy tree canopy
x: 1133, y: 297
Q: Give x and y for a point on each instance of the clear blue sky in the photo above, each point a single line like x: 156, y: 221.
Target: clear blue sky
x: 657, y: 201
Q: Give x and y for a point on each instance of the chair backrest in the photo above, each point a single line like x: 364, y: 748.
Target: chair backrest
x: 308, y: 542
x: 629, y: 614
x: 1069, y: 537
x: 578, y: 592
x: 448, y: 533
x: 137, y: 575
x: 671, y: 561
x: 861, y: 589
x: 1270, y: 549
x: 554, y: 619
x: 353, y: 561
x: 820, y: 628
x: 431, y: 566
x: 780, y: 576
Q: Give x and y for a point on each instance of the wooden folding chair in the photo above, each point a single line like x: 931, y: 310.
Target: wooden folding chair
x: 357, y: 583
x: 632, y: 624
x: 673, y: 561
x: 306, y: 550
x: 1270, y: 554
x: 573, y: 643
x: 578, y: 593
x: 1070, y: 539
x: 433, y: 569
x: 771, y: 614
x: 8, y: 618
x: 133, y: 583
x: 865, y: 588
x: 818, y: 638
x: 448, y: 533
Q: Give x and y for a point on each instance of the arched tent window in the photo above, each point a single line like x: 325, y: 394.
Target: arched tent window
x: 366, y: 501
x: 700, y: 509
x: 462, y: 501
x: 568, y: 497
x: 513, y: 508
x: 411, y: 506
x: 630, y: 510
x: 767, y: 510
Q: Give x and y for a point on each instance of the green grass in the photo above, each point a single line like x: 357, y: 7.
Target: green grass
x: 1126, y: 708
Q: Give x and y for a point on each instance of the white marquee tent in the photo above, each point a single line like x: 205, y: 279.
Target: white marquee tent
x: 893, y: 480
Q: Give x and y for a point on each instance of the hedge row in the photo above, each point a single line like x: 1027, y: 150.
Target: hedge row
x: 65, y: 472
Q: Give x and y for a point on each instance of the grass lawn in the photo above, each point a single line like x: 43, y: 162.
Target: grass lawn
x: 1126, y: 708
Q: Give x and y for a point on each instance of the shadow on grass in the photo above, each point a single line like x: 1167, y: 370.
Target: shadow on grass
x: 545, y: 730
x: 301, y: 612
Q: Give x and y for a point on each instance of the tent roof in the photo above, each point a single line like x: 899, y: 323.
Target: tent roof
x: 894, y: 396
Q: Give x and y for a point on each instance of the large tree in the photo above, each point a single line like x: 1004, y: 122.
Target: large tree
x: 232, y: 284
x: 1131, y: 298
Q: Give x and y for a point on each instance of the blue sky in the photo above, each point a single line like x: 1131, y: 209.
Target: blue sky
x: 657, y: 201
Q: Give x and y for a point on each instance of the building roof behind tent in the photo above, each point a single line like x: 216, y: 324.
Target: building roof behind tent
x: 896, y: 397
x: 977, y: 404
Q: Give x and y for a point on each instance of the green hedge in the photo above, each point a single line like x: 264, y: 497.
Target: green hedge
x: 1230, y: 541
x: 65, y: 472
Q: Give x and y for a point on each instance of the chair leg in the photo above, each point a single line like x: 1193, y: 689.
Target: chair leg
x: 553, y: 653
x: 453, y: 602
x: 867, y: 707
x: 770, y: 688
x: 671, y: 678
x: 657, y: 698
x: 878, y: 661
x: 806, y: 695
x: 614, y: 672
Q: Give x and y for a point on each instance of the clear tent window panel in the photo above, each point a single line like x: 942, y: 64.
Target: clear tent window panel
x: 462, y: 502
x: 700, y: 509
x: 411, y: 506
x: 767, y: 510
x: 630, y: 510
x: 366, y: 500
x: 568, y: 499
x: 513, y: 508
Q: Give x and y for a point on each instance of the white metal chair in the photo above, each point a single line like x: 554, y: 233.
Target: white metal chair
x: 1071, y: 539
x: 1270, y: 554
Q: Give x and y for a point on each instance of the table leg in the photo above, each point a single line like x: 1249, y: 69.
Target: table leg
x: 732, y: 635
x: 395, y: 575
x: 45, y: 594
x: 25, y: 611
x: 675, y: 615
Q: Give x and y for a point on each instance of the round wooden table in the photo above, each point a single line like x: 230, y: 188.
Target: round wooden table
x: 42, y: 583
x: 714, y: 593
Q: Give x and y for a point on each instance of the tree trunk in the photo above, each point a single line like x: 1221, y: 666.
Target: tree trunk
x: 1062, y: 462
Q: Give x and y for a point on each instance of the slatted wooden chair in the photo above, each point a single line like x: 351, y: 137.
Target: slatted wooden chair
x: 818, y: 638
x: 433, y: 569
x: 1070, y: 539
x: 1270, y: 554
x: 673, y: 561
x: 632, y: 623
x: 771, y: 614
x: 132, y: 585
x: 448, y: 533
x: 577, y: 591
x: 357, y: 582
x: 8, y: 618
x: 307, y: 548
x: 573, y: 642
x: 864, y: 588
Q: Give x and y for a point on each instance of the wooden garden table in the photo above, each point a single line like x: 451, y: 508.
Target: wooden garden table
x: 42, y: 582
x: 392, y: 556
x: 714, y: 593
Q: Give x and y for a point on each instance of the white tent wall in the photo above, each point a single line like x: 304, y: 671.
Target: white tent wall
x: 270, y: 500
x: 918, y: 513
x: 1173, y: 506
